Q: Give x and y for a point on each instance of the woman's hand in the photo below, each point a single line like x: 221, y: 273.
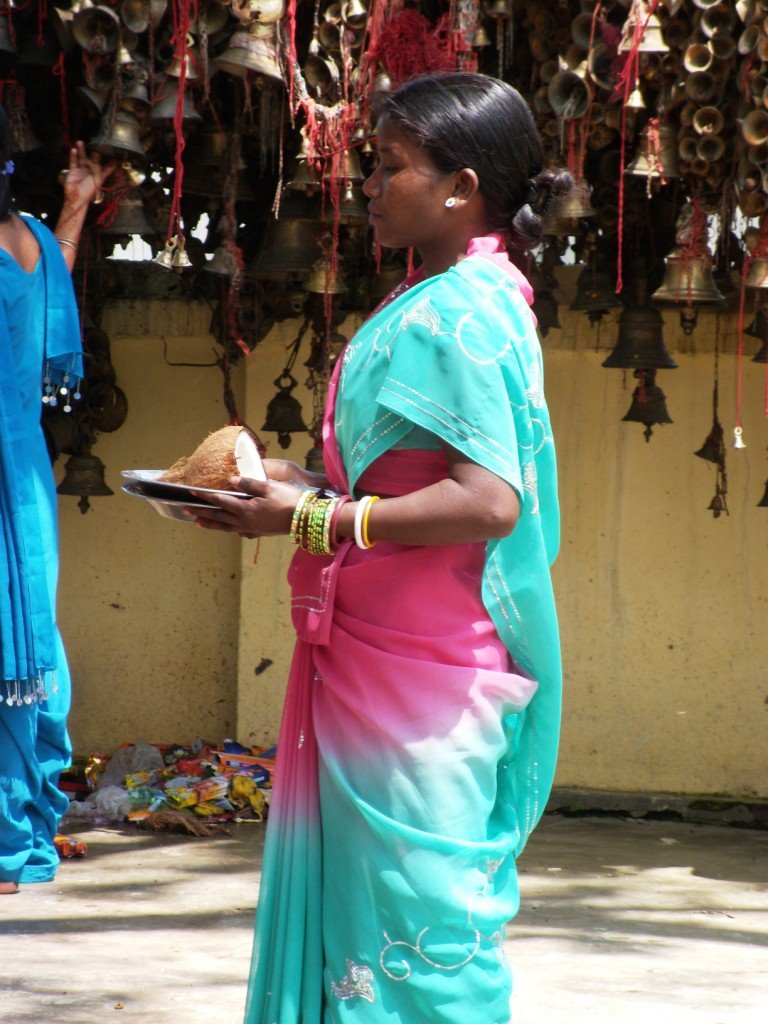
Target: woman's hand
x: 267, y: 513
x: 84, y: 177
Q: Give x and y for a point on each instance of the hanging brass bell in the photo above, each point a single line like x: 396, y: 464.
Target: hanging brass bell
x: 640, y: 344
x: 757, y: 275
x: 164, y: 107
x: 713, y: 449
x: 594, y: 294
x: 574, y: 205
x: 687, y: 281
x: 697, y: 57
x: 717, y: 506
x: 708, y: 120
x: 164, y: 259
x: 348, y: 168
x: 135, y: 14
x: 107, y: 407
x: 84, y: 476
x: 499, y: 9
x: 324, y: 279
x: 180, y: 257
x: 648, y: 403
x: 569, y: 95
x: 284, y: 411
x: 289, y: 247
x: 754, y: 127
x: 252, y: 51
x: 656, y: 165
x: 651, y: 41
x: 119, y: 133
x: 718, y: 20
x: 222, y: 262
x: 354, y: 14
x: 129, y: 219
x: 96, y: 29
x: 353, y: 208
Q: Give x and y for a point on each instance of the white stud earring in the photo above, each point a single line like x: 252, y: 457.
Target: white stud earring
x: 450, y: 202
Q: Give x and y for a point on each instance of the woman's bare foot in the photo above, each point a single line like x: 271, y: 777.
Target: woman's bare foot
x: 8, y: 888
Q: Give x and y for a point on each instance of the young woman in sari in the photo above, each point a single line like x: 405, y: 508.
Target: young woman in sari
x: 419, y: 735
x: 40, y: 351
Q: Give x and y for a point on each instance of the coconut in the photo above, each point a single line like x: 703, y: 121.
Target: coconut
x: 211, y: 464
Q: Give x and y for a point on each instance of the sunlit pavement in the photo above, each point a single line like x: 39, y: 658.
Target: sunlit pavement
x: 622, y: 921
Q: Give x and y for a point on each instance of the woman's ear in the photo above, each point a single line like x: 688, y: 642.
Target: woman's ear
x: 466, y: 184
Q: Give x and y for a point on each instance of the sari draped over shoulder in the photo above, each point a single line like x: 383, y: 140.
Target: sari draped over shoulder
x: 419, y: 735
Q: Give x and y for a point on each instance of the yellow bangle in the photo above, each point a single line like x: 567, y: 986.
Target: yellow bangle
x: 364, y: 525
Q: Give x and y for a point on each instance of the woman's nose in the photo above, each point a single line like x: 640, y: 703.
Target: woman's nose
x: 369, y: 185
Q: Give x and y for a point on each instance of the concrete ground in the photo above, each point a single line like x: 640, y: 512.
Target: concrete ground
x: 623, y: 921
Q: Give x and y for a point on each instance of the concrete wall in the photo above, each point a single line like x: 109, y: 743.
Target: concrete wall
x: 664, y: 609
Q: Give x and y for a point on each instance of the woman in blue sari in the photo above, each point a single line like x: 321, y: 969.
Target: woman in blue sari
x: 419, y: 734
x: 39, y: 341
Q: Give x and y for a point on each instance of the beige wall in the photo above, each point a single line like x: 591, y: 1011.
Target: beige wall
x: 149, y: 607
x: 664, y: 610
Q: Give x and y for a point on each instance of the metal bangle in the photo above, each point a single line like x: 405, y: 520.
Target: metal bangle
x: 67, y: 241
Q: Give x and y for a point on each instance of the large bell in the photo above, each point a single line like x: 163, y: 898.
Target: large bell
x: 688, y: 280
x: 252, y: 51
x: 284, y: 411
x: 119, y: 133
x: 652, y: 161
x: 595, y: 294
x: 290, y: 247
x: 640, y: 344
x: 96, y: 29
x: 130, y: 218
x: 648, y: 403
x: 84, y: 476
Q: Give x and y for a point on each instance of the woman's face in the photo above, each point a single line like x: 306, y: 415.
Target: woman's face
x: 407, y: 193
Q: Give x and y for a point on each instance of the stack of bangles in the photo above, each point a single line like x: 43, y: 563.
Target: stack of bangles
x: 314, y: 521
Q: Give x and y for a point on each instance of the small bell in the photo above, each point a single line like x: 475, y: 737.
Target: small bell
x: 164, y: 259
x: 738, y: 438
x: 763, y: 503
x: 284, y: 411
x: 180, y: 257
x: 594, y: 294
x: 713, y: 449
x: 325, y: 279
x: 648, y: 403
x: 717, y: 506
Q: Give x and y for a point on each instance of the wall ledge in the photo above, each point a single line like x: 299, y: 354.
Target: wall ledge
x: 741, y: 812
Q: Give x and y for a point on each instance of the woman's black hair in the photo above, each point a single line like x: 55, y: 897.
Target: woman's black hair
x: 462, y: 120
x: 5, y: 155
